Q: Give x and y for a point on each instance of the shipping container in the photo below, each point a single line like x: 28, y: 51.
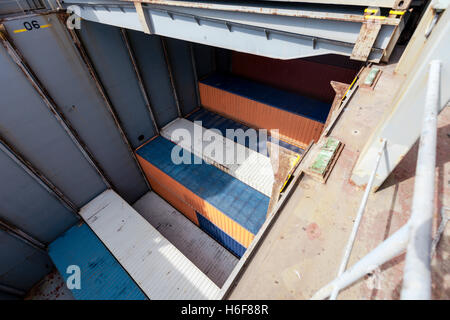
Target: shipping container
x: 131, y: 243
x: 298, y: 119
x: 234, y: 207
x: 88, y: 123
x: 211, y: 120
x: 247, y: 165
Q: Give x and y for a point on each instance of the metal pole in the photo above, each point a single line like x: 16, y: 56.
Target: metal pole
x: 139, y: 78
x: 36, y: 175
x: 359, y: 215
x: 22, y: 236
x: 51, y: 105
x: 87, y: 61
x: 172, y: 80
x: 417, y: 272
x: 388, y: 249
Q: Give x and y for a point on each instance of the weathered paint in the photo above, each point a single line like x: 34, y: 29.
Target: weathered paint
x: 247, y: 165
x: 224, y: 239
x: 202, y: 250
x: 151, y: 62
x: 234, y: 207
x: 157, y: 266
x: 179, y: 56
x: 297, y: 118
x: 51, y: 54
x: 211, y: 120
x: 308, y: 77
x: 106, y: 48
x: 102, y: 277
x: 21, y: 266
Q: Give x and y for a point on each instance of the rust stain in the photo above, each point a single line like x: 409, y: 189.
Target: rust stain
x: 313, y: 231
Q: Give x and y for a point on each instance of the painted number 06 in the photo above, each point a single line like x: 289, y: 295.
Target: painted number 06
x: 31, y: 25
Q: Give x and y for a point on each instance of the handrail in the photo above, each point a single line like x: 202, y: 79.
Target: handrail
x: 415, y: 235
x: 357, y: 222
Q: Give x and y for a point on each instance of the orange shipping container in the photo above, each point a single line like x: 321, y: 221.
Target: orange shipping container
x: 235, y: 208
x: 298, y: 119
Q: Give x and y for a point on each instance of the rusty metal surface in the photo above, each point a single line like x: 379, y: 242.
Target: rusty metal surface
x: 367, y: 36
x: 307, y: 77
x: 305, y: 13
x: 292, y: 128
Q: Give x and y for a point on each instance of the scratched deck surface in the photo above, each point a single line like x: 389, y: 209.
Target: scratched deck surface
x: 157, y: 266
x: 102, y: 277
x: 305, y: 245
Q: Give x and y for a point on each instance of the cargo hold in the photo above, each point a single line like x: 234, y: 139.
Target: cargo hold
x: 299, y: 119
x: 232, y: 206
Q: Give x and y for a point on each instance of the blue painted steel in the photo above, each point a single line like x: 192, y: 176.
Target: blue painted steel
x: 287, y: 101
x: 211, y: 120
x: 204, y: 60
x: 52, y: 56
x: 183, y: 73
x: 240, y: 202
x: 225, y: 240
x: 109, y: 55
x: 102, y: 277
x: 21, y: 266
x: 155, y: 75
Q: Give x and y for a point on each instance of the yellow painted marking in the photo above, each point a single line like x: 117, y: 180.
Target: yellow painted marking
x: 400, y: 13
x: 289, y: 176
x: 24, y: 30
x: 371, y: 10
x: 375, y: 17
x: 348, y: 89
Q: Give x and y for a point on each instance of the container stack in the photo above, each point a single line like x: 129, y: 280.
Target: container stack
x: 223, y: 206
x: 299, y: 119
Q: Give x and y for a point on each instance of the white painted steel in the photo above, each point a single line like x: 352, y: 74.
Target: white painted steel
x: 254, y: 169
x: 206, y: 253
x: 388, y: 249
x: 359, y: 215
x: 160, y: 269
x: 417, y: 274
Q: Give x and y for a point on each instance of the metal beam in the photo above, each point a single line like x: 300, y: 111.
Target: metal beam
x: 171, y: 77
x: 290, y: 37
x: 36, y: 175
x: 143, y: 18
x: 51, y: 104
x: 194, y: 71
x: 89, y: 65
x: 144, y: 92
x: 270, y: 9
x: 22, y: 236
x: 402, y: 126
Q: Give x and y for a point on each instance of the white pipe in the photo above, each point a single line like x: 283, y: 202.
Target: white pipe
x: 417, y: 274
x: 388, y: 249
x: 359, y: 215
